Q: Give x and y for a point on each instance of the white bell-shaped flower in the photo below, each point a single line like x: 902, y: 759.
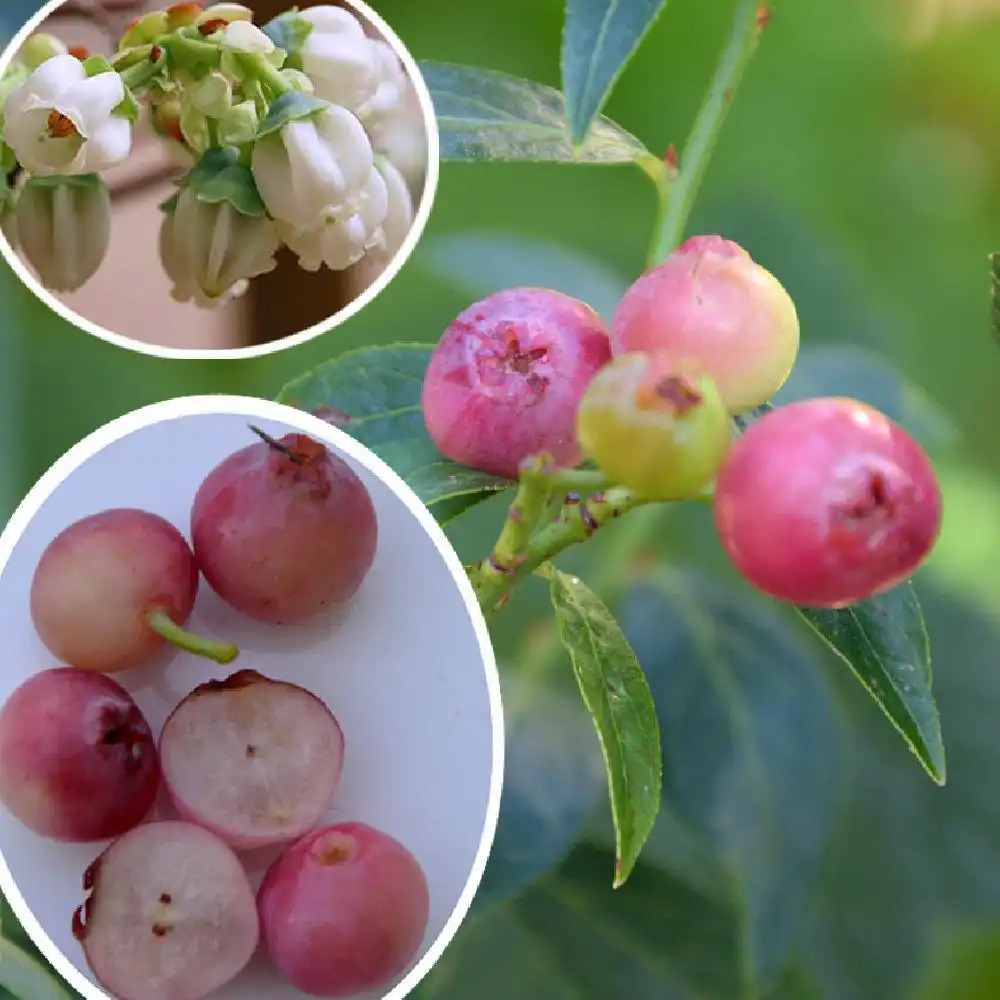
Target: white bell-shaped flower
x: 63, y: 229
x: 339, y: 242
x: 60, y: 121
x: 399, y: 212
x: 394, y: 118
x: 392, y: 84
x: 211, y: 252
x: 311, y: 169
x: 338, y: 57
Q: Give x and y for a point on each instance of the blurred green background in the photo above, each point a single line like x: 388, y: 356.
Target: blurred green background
x: 861, y: 164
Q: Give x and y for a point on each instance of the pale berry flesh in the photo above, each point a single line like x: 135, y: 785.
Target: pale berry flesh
x: 711, y: 305
x: 77, y: 759
x: 343, y: 911
x: 654, y: 426
x: 506, y: 377
x: 170, y: 915
x: 826, y: 503
x: 276, y: 757
x: 99, y: 581
x: 283, y: 531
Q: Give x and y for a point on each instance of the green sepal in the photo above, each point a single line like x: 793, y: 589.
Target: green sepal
x: 127, y: 108
x: 291, y: 107
x: 66, y: 180
x: 219, y: 178
x: 95, y: 65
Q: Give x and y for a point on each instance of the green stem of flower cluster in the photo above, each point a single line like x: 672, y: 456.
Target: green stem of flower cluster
x: 271, y: 78
x: 677, y: 202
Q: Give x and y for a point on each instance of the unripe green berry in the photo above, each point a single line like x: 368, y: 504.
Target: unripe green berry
x: 655, y: 425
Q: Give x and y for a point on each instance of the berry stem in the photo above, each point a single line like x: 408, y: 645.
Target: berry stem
x: 274, y: 443
x: 676, y: 204
x: 176, y: 635
x: 522, y: 516
x: 577, y: 521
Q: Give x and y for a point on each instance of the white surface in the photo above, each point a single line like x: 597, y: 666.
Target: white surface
x: 404, y: 668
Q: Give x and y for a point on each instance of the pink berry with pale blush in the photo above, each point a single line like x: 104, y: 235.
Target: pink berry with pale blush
x: 710, y: 305
x: 343, y: 911
x: 77, y: 759
x: 276, y: 757
x: 283, y: 530
x: 112, y: 589
x: 826, y: 503
x: 170, y: 915
x: 506, y: 378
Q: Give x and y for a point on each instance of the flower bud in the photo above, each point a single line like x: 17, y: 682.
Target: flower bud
x: 144, y: 30
x: 239, y: 124
x: 14, y: 76
x: 244, y: 37
x: 338, y: 57
x: 212, y: 95
x: 165, y: 117
x: 309, y: 170
x: 194, y: 126
x: 60, y: 121
x: 38, y: 48
x: 299, y: 81
x: 339, y: 242
x: 229, y: 12
x: 63, y: 229
x: 182, y: 15
x: 391, y: 84
x: 211, y: 252
x: 399, y: 211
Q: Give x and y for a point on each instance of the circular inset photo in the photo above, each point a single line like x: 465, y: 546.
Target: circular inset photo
x: 211, y: 180
x: 251, y: 741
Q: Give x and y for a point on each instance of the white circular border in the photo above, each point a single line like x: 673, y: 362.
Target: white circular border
x: 331, y: 323
x: 187, y: 406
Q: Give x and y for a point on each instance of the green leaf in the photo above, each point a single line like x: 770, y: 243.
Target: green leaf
x: 25, y: 978
x: 796, y: 984
x: 483, y: 262
x: 219, y: 178
x: 599, y: 39
x: 617, y: 695
x: 485, y: 115
x: 553, y: 780
x: 291, y: 107
x: 374, y: 395
x: 752, y: 755
x: 966, y: 966
x: 288, y: 31
x: 11, y: 929
x: 839, y: 369
x: 884, y: 641
x: 570, y: 938
x: 914, y: 860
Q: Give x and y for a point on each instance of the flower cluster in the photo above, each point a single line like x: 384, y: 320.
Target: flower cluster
x: 304, y: 133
